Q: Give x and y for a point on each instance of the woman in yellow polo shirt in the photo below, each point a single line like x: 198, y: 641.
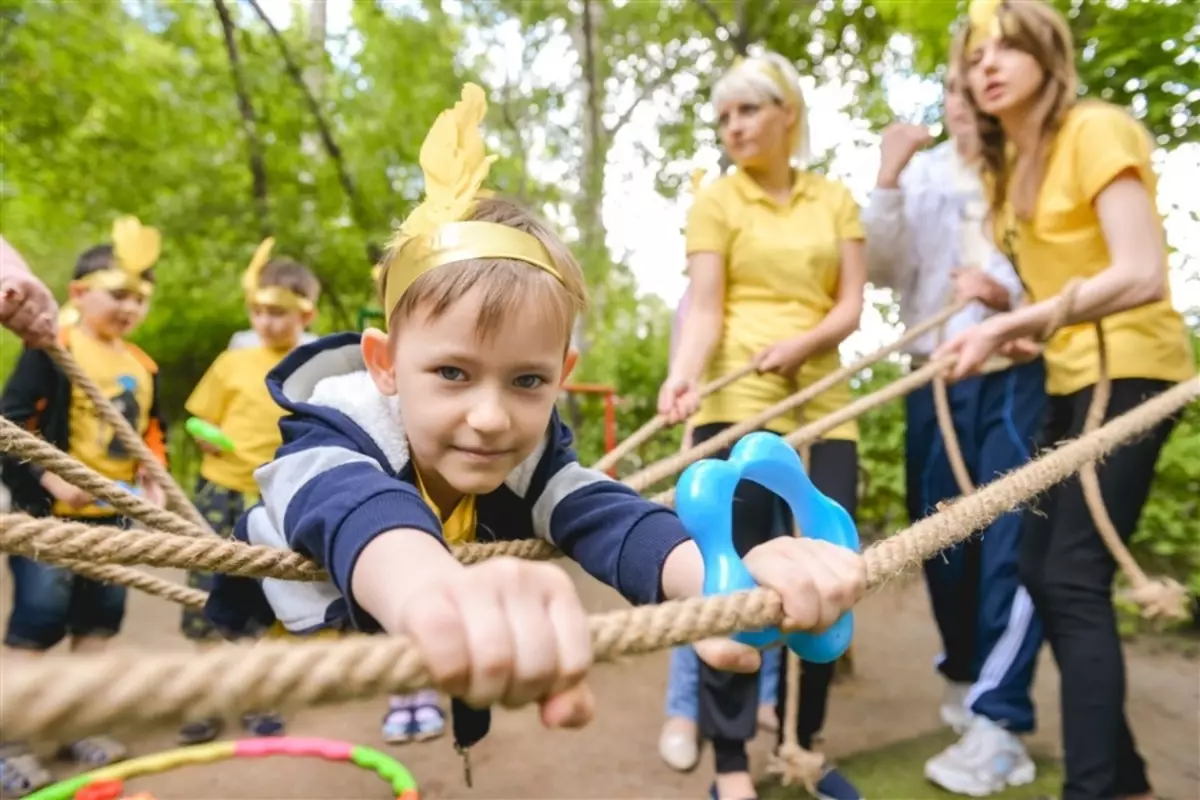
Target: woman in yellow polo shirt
x: 1075, y: 199
x: 777, y: 268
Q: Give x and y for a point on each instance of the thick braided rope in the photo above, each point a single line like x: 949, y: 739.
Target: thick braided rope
x: 1156, y: 598
x: 126, y: 435
x: 658, y: 421
x: 793, y: 764
x: 136, y: 579
x: 673, y: 465
x: 74, y: 695
x: 55, y: 541
x: 26, y: 446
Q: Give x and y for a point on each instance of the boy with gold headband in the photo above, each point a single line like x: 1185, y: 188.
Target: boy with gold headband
x: 109, y: 297
x: 281, y: 298
x: 443, y: 431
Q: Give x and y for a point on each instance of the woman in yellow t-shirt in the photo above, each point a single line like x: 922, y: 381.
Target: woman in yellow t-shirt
x: 777, y: 270
x: 1073, y: 194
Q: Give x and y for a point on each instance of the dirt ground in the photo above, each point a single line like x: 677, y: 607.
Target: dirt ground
x: 893, y: 697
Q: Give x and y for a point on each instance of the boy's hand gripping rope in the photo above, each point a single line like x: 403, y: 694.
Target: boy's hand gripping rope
x: 75, y: 694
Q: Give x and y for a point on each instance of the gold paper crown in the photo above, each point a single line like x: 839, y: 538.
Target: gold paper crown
x: 697, y: 179
x: 276, y: 296
x: 435, y: 234
x: 135, y: 250
x: 986, y: 20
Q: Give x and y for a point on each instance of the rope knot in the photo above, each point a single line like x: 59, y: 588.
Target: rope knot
x: 1161, y: 599
x: 796, y: 766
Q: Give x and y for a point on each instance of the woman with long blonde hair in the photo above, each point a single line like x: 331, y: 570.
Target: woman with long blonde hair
x: 1072, y: 197
x: 777, y: 269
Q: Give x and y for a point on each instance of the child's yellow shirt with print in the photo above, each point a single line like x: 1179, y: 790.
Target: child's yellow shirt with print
x: 124, y: 378
x: 233, y: 396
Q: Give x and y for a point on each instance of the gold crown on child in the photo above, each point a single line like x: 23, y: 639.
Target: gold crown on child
x: 135, y: 250
x: 274, y: 296
x: 455, y: 165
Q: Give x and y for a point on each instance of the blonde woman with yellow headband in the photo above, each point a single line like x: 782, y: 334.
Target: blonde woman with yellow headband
x: 281, y: 297
x: 777, y: 268
x: 1073, y: 198
x: 110, y: 295
x: 442, y: 430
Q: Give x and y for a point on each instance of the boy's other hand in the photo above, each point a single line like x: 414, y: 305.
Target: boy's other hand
x: 505, y: 631
x: 65, y: 492
x: 817, y: 581
x: 206, y: 447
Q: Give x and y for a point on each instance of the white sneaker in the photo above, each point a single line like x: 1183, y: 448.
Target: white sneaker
x: 678, y: 744
x: 988, y: 759
x: 954, y: 709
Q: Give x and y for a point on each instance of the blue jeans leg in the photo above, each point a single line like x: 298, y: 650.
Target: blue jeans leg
x: 683, y: 681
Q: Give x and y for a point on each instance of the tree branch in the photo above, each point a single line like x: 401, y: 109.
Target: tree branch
x: 709, y: 9
x: 258, y: 169
x: 648, y: 89
x: 357, y: 211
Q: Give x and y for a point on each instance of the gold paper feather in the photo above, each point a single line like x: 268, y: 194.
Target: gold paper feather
x: 455, y: 165
x: 136, y: 246
x: 983, y: 16
x: 254, y: 269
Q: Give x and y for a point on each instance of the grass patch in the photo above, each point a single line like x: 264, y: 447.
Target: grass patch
x: 897, y: 772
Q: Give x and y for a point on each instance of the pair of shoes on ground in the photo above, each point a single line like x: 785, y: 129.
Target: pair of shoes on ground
x: 413, y: 718
x: 256, y: 723
x: 22, y: 772
x: 987, y: 759
x: 679, y: 742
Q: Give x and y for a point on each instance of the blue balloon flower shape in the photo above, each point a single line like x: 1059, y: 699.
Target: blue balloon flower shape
x: 704, y: 503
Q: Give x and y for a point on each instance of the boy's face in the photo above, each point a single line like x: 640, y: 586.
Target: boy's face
x: 109, y: 314
x: 473, y: 408
x: 278, y: 328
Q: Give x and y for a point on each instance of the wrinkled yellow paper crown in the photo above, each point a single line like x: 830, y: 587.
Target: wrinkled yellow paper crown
x: 987, y: 20
x: 276, y: 296
x: 435, y: 233
x: 135, y: 249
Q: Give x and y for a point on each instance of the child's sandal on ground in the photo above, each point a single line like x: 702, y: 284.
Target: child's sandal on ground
x: 22, y: 774
x: 95, y: 751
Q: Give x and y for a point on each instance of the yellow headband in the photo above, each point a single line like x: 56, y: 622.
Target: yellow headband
x: 135, y: 249
x: 985, y: 22
x: 770, y: 70
x: 275, y: 296
x: 435, y: 233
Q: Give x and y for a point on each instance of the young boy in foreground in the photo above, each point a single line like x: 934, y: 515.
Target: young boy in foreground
x: 442, y: 431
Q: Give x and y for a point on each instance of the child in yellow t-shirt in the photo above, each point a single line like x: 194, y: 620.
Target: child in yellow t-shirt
x: 110, y: 295
x: 281, y: 298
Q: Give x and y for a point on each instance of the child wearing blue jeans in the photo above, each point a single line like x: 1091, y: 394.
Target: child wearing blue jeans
x: 398, y: 445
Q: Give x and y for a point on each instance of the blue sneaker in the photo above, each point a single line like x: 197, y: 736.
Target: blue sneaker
x: 834, y: 786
